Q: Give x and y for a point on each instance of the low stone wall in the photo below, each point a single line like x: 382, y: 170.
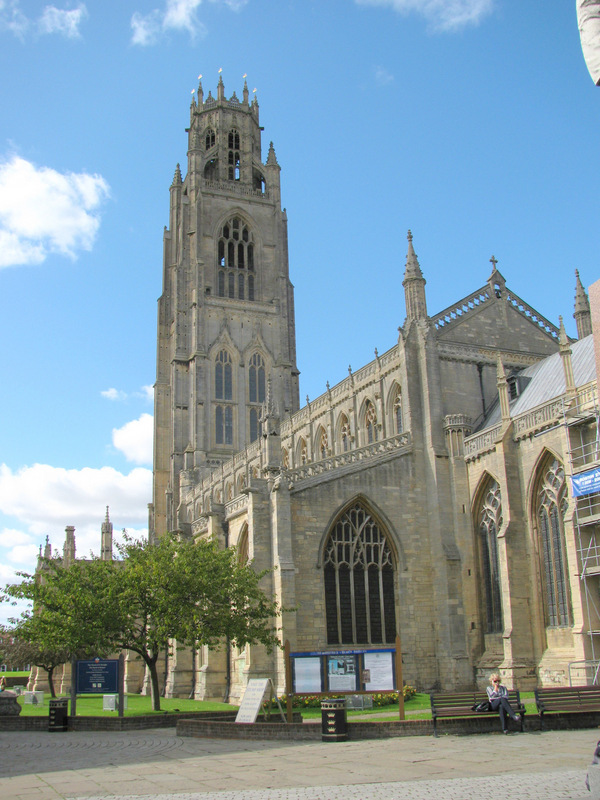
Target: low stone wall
x: 222, y: 725
x: 144, y: 722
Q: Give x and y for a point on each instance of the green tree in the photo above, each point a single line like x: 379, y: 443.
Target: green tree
x: 196, y: 594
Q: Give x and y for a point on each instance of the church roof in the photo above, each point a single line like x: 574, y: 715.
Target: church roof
x: 545, y: 380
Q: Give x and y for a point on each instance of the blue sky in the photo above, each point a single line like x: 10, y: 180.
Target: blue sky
x: 472, y: 122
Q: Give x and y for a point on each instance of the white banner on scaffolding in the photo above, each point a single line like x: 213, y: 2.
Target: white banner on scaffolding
x: 586, y: 482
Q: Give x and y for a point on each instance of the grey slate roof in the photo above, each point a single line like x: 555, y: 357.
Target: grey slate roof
x: 547, y: 380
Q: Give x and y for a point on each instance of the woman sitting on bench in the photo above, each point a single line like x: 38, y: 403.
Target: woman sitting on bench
x: 498, y: 697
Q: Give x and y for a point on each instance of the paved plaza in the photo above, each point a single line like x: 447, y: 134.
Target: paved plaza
x: 159, y: 765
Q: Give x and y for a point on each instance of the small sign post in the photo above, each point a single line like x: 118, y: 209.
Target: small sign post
x: 252, y: 700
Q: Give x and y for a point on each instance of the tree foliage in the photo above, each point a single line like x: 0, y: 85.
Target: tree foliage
x: 196, y: 594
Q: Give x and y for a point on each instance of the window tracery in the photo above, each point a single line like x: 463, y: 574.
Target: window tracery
x: 235, y: 260
x: 490, y: 522
x: 360, y: 605
x: 371, y: 422
x: 551, y: 508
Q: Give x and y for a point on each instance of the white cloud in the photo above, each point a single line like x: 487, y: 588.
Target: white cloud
x: 114, y: 394
x: 56, y: 20
x: 11, y: 537
x: 146, y: 30
x: 43, y: 497
x: 12, y: 18
x: 134, y: 439
x: 177, y: 15
x: 442, y: 15
x: 52, y: 20
x: 43, y: 211
x: 148, y: 393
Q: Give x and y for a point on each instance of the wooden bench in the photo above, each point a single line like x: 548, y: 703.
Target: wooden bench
x: 460, y: 704
x: 567, y: 699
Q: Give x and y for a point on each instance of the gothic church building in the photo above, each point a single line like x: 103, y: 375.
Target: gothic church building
x: 427, y: 493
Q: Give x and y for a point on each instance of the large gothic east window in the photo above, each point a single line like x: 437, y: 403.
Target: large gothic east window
x: 489, y: 523
x: 235, y: 261
x: 550, y: 509
x: 360, y: 605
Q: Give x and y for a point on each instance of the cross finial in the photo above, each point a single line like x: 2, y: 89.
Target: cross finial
x: 493, y: 261
x: 409, y: 235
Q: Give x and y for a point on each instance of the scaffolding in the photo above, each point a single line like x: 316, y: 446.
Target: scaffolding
x: 582, y: 418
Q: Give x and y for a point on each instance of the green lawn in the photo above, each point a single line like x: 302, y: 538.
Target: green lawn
x: 91, y: 706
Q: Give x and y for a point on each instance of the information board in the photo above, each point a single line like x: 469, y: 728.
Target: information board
x: 378, y: 675
x: 346, y: 671
x: 307, y: 675
x: 252, y: 700
x: 98, y: 676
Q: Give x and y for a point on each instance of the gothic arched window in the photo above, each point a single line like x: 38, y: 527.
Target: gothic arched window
x: 256, y: 379
x: 489, y: 523
x: 371, y: 423
x: 302, y: 451
x: 344, y: 433
x: 397, y: 410
x: 360, y: 606
x: 223, y: 376
x: 223, y: 425
x: 551, y: 505
x: 235, y: 257
x: 322, y: 443
x: 209, y: 139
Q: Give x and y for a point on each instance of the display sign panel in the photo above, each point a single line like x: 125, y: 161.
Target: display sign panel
x: 98, y: 676
x: 378, y: 672
x: 586, y: 483
x: 342, y: 673
x: 307, y: 675
x: 252, y: 700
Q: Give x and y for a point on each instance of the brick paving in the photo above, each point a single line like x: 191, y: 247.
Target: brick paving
x: 158, y: 765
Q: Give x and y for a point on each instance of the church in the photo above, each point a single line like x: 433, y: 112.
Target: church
x: 428, y: 494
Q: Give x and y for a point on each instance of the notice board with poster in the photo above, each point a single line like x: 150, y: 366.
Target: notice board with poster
x: 340, y: 672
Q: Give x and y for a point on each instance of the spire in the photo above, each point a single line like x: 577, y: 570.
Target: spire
x: 177, y: 177
x: 200, y: 92
x: 48, y: 548
x: 245, y: 94
x: 582, y: 315
x: 106, y: 538
x: 414, y: 284
x: 271, y: 158
x: 220, y: 88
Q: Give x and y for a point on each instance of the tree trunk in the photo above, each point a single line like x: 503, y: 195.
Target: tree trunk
x: 51, y: 681
x: 154, y: 688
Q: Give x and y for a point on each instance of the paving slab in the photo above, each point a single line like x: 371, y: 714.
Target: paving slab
x: 159, y: 765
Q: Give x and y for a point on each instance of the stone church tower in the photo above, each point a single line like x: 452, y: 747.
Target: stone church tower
x: 226, y: 313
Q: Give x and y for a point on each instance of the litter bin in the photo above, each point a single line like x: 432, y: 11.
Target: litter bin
x: 334, y: 726
x: 59, y: 713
